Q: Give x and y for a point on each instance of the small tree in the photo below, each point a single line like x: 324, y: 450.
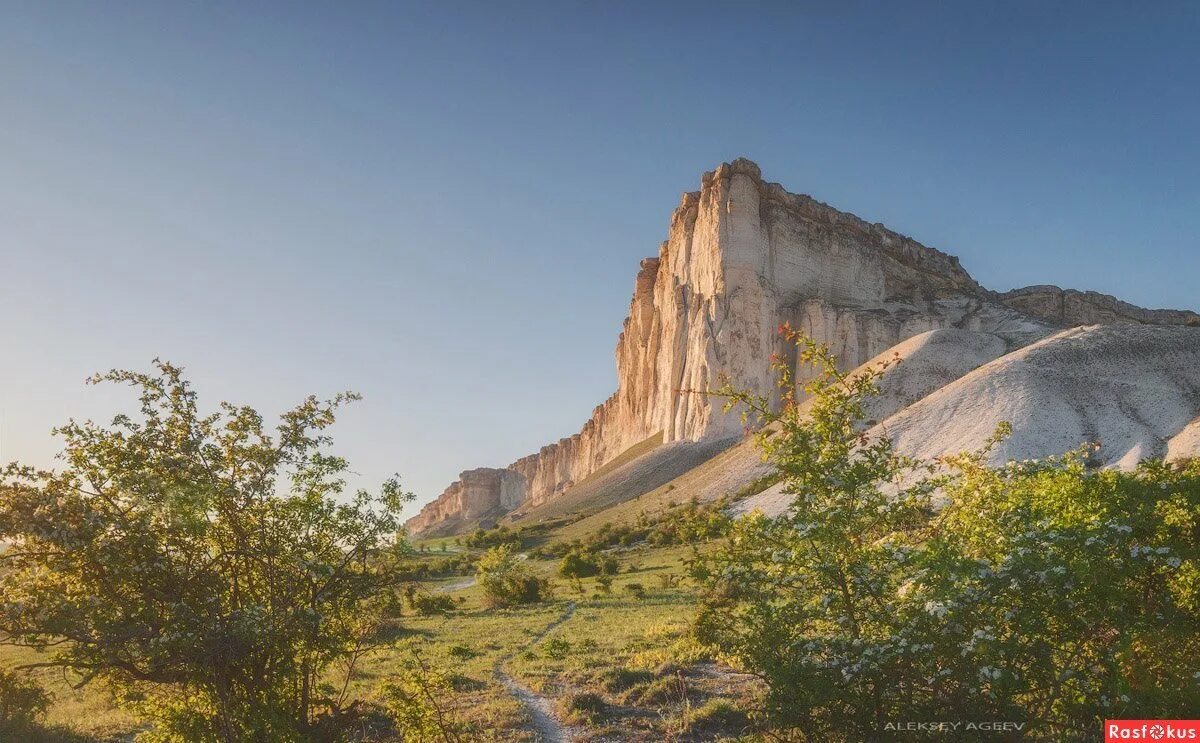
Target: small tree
x: 22, y: 704
x: 577, y: 565
x: 209, y: 570
x: 1044, y: 592
x: 418, y: 698
x: 506, y: 580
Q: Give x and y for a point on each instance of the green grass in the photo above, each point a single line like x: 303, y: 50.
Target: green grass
x: 89, y: 711
x: 668, y: 676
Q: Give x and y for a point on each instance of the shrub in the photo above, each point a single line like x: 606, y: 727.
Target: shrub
x: 583, y: 707
x: 418, y: 697
x: 430, y: 604
x: 22, y: 703
x: 461, y: 652
x: 617, y: 679
x: 637, y: 590
x: 1047, y: 591
x: 666, y: 689
x: 580, y: 563
x: 206, y: 564
x: 557, y: 648
x: 507, y: 581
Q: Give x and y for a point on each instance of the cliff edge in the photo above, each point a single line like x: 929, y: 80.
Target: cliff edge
x: 742, y: 256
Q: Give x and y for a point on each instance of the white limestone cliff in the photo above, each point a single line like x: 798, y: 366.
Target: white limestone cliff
x: 741, y: 257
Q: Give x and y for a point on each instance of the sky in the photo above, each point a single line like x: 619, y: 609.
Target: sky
x: 442, y: 205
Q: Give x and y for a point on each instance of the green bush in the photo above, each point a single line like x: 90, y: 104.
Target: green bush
x: 461, y: 652
x: 431, y: 604
x: 617, y: 679
x: 557, y: 648
x: 637, y: 590
x: 22, y: 703
x: 583, y: 707
x: 419, y: 699
x: 1047, y: 592
x: 210, y: 568
x: 507, y: 581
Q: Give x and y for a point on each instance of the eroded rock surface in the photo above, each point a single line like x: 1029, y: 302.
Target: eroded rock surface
x: 1068, y: 307
x: 742, y: 256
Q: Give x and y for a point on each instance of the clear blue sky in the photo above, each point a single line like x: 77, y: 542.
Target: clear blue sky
x: 442, y: 205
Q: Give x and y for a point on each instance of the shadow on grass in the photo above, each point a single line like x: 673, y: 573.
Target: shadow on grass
x: 35, y: 733
x: 393, y: 632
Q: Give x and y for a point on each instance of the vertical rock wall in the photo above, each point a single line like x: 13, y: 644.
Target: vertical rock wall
x: 741, y: 257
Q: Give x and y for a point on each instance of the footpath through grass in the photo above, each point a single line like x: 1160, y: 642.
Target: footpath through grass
x: 621, y: 667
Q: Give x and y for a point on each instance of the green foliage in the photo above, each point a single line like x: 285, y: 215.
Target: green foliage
x: 428, y: 604
x: 460, y: 652
x: 580, y: 563
x: 210, y: 570
x: 619, y: 678
x: 637, y: 590
x: 443, y: 567
x: 501, y: 535
x: 1046, y: 592
x: 483, y: 538
x: 583, y: 707
x: 418, y: 699
x: 689, y: 523
x: 557, y: 648
x: 22, y: 703
x: 507, y: 581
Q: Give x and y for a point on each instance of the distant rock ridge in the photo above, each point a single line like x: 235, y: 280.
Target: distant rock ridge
x: 742, y: 256
x: 1069, y: 307
x: 477, y: 494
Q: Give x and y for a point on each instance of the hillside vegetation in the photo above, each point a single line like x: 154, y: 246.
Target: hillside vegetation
x: 1048, y: 594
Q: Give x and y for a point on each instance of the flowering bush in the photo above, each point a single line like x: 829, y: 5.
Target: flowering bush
x: 1042, y: 592
x: 209, y: 569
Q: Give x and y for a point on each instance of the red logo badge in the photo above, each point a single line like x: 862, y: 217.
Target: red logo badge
x: 1116, y: 731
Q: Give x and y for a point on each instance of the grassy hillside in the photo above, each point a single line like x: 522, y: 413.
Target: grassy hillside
x: 608, y: 666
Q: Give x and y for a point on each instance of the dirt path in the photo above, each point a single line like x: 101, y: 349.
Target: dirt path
x: 546, y: 725
x: 457, y: 585
x: 465, y: 583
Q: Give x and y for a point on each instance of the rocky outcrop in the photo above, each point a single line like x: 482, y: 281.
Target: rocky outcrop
x: 476, y: 495
x: 1133, y: 390
x: 1068, y: 308
x: 743, y: 256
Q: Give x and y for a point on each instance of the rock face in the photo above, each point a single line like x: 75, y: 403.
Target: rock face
x: 476, y: 494
x: 1134, y: 390
x: 743, y: 256
x: 1068, y: 307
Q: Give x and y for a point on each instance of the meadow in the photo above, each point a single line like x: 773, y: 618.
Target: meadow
x: 608, y: 666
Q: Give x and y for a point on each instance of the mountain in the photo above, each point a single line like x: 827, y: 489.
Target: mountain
x: 744, y: 256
